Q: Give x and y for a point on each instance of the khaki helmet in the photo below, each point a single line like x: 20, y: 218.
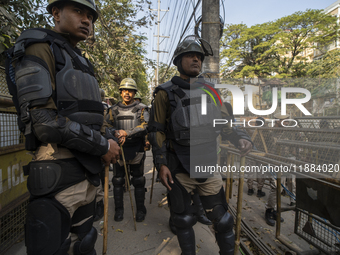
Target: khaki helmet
x: 192, y: 43
x: 102, y: 94
x: 88, y: 3
x: 138, y: 96
x: 128, y: 83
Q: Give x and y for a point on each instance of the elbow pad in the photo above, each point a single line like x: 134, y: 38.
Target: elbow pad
x: 50, y: 129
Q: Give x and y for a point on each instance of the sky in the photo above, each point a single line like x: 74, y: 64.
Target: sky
x: 249, y: 12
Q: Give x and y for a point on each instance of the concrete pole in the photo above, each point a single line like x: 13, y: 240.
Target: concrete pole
x: 158, y: 25
x: 211, y: 33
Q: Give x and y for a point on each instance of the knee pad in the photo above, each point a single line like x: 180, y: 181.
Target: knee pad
x: 225, y: 224
x: 138, y: 182
x: 86, y: 244
x: 118, y: 181
x: 47, y: 227
x: 183, y: 221
x: 179, y: 199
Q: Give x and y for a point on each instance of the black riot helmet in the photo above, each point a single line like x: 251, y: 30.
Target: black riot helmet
x: 191, y: 43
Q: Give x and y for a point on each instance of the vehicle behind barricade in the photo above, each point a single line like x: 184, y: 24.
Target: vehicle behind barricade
x: 13, y: 156
x: 310, y: 151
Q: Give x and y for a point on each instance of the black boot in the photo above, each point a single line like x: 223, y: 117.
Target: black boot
x: 260, y: 193
x: 99, y: 213
x: 269, y: 216
x: 275, y: 216
x: 186, y: 239
x: 200, y: 214
x: 141, y: 210
x: 226, y: 242
x: 250, y: 192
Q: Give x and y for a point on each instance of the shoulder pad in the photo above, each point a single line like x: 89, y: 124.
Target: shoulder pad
x: 165, y: 86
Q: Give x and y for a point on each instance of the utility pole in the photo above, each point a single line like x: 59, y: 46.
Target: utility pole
x: 158, y: 36
x: 211, y: 33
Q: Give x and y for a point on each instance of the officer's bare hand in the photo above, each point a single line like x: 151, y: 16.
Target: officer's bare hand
x: 244, y: 146
x: 120, y: 133
x: 113, y: 153
x: 122, y: 140
x: 165, y: 176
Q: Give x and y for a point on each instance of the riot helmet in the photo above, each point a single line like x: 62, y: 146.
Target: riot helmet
x: 138, y: 96
x: 192, y: 43
x: 88, y: 3
x: 128, y: 83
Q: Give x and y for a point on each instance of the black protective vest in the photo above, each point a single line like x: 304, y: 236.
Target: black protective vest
x: 76, y: 95
x: 193, y: 135
x: 127, y: 116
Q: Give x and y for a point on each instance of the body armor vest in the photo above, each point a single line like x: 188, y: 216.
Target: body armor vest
x: 193, y: 134
x: 81, y: 104
x: 127, y: 116
x: 188, y: 127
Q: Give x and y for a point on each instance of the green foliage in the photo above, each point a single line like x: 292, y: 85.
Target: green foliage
x: 276, y: 48
x: 117, y: 49
x: 326, y: 67
x: 16, y: 16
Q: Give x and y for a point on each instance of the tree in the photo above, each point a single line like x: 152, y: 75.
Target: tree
x: 328, y: 66
x: 117, y: 49
x: 244, y: 50
x: 299, y: 32
x: 16, y: 16
x: 276, y: 48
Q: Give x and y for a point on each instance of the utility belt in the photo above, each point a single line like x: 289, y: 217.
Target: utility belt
x: 48, y: 177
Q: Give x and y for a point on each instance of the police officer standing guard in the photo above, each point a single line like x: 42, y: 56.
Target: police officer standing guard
x: 129, y: 118
x: 61, y: 113
x: 170, y: 135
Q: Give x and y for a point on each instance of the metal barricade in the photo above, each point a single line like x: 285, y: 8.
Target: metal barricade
x: 313, y: 153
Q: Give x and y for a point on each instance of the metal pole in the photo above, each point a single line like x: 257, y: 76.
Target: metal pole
x: 239, y: 208
x: 158, y: 23
x: 211, y: 33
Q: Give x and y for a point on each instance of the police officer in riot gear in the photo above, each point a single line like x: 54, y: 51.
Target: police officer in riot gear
x: 171, y: 134
x: 129, y: 118
x: 138, y: 97
x: 61, y: 108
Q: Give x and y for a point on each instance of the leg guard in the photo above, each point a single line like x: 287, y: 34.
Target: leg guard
x: 86, y: 245
x: 183, y: 218
x: 222, y: 221
x: 185, y: 232
x: 47, y: 227
x: 118, y: 191
x: 139, y: 184
x: 87, y: 235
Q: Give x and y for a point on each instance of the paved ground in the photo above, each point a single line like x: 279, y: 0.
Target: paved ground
x: 153, y: 236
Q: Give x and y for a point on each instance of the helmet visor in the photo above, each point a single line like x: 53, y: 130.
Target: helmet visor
x: 190, y: 39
